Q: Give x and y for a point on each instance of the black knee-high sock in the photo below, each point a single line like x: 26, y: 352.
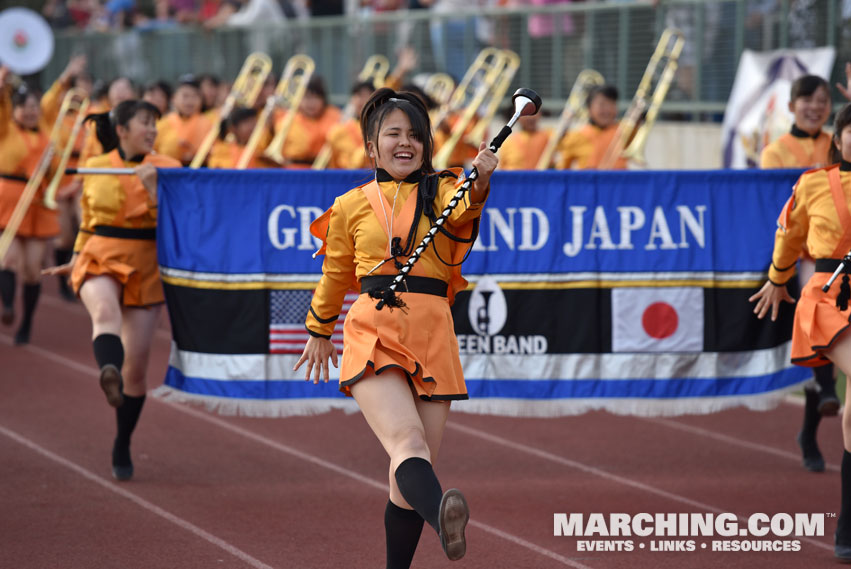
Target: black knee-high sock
x: 812, y: 418
x: 419, y: 486
x: 843, y: 525
x: 108, y: 350
x: 30, y: 298
x: 126, y: 417
x: 824, y: 378
x: 403, y: 528
x: 7, y: 287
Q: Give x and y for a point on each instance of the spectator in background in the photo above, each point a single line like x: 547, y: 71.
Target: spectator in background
x: 184, y: 11
x: 327, y: 7
x: 447, y: 33
x: 163, y: 18
x: 57, y: 14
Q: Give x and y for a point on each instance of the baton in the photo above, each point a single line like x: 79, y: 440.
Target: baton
x: 526, y: 102
x: 839, y: 270
x: 110, y: 171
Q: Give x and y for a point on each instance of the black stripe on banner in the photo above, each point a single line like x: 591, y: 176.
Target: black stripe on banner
x: 574, y: 321
x: 580, y: 320
x: 219, y: 321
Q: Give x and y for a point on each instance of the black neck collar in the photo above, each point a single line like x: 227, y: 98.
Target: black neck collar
x: 845, y: 166
x: 798, y: 133
x: 137, y: 158
x: 381, y: 175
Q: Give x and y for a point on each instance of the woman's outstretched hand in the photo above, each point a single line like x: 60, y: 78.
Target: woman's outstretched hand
x: 316, y: 353
x: 769, y: 297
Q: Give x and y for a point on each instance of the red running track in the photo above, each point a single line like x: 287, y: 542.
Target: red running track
x: 309, y: 492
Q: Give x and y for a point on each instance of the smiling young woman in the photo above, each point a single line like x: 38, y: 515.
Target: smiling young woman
x: 401, y: 365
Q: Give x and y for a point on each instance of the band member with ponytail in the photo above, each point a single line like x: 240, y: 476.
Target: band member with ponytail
x: 808, y: 146
x: 818, y: 216
x: 402, y: 378
x: 114, y: 268
x: 26, y: 120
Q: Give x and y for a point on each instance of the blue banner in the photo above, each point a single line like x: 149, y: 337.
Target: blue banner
x: 624, y: 291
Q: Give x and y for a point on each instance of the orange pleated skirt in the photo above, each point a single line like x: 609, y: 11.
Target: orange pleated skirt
x: 418, y: 340
x: 132, y: 262
x: 818, y: 321
x: 39, y: 222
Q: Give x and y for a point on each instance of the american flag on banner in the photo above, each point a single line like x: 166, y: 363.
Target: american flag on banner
x: 287, y: 310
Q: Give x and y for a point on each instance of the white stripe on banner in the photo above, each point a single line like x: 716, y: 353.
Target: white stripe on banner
x: 503, y: 278
x: 623, y: 366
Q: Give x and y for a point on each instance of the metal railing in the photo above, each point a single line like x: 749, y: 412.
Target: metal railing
x: 554, y: 42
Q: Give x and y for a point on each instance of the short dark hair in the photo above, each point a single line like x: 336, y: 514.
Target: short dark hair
x: 316, y: 86
x: 383, y: 102
x: 23, y: 93
x: 806, y: 86
x: 842, y: 120
x: 608, y: 91
x: 163, y: 86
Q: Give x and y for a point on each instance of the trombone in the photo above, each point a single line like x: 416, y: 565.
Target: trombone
x: 481, y: 77
x: 79, y: 102
x: 375, y: 70
x: 74, y: 100
x: 246, y: 87
x: 631, y: 135
x: 575, y: 110
x: 439, y: 86
x: 288, y: 94
x: 511, y: 63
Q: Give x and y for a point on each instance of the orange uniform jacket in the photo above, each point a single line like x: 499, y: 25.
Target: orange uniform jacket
x: 585, y: 148
x: 809, y: 217
x: 791, y: 151
x: 347, y: 151
x: 20, y: 151
x: 306, y: 136
x: 180, y: 137
x: 226, y: 154
x: 356, y: 242
x: 522, y: 150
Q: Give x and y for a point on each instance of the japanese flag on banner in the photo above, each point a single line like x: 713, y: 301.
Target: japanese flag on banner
x: 667, y: 319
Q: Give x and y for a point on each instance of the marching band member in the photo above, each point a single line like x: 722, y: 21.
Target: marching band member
x: 68, y: 194
x: 119, y: 89
x: 808, y: 146
x: 25, y: 126
x: 818, y: 216
x: 403, y: 386
x: 313, y: 119
x: 114, y: 268
x: 159, y: 94
x: 585, y: 147
x: 182, y: 130
x: 346, y: 141
x: 522, y: 150
x: 227, y: 151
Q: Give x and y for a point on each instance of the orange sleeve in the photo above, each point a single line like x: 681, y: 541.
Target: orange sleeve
x: 338, y: 274
x: 791, y: 235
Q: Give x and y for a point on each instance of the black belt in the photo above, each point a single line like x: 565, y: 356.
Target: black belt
x: 827, y: 265
x: 422, y: 285
x: 126, y: 232
x: 15, y: 178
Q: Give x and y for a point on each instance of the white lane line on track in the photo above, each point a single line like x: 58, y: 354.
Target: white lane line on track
x: 524, y: 448
x: 733, y: 441
x: 139, y: 501
x: 91, y: 371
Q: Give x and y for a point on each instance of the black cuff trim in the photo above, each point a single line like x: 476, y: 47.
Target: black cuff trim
x: 776, y: 268
x: 778, y: 284
x: 323, y: 320
x: 316, y: 335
